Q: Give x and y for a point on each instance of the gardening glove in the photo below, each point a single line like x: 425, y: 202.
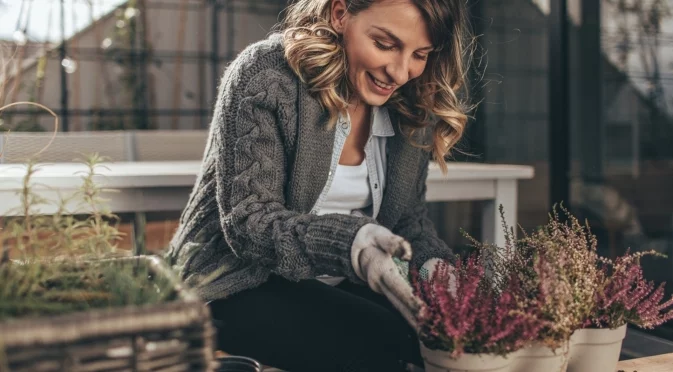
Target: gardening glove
x: 373, y: 235
x: 372, y: 259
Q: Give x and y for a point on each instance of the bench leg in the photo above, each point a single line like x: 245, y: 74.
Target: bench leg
x: 505, y: 194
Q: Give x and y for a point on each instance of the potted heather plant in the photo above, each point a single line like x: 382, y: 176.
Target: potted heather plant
x: 542, y: 286
x: 470, y: 323
x: 624, y: 296
x: 566, y: 275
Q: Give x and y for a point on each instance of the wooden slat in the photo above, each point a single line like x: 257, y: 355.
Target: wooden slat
x: 657, y: 363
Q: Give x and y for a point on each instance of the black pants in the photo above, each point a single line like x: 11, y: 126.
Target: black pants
x: 313, y: 327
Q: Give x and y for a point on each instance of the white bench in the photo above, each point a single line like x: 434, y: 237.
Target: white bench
x: 142, y: 187
x: 113, y: 146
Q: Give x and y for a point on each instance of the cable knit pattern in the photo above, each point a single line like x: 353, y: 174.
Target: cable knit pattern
x: 259, y: 227
x: 416, y: 227
x: 265, y: 163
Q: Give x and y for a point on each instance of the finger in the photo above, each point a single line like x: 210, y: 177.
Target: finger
x: 373, y: 281
x: 398, y: 286
x: 395, y: 245
x: 408, y: 314
x: 406, y: 251
x: 371, y: 259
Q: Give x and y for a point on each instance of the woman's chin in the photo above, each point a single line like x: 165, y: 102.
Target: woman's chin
x: 374, y: 99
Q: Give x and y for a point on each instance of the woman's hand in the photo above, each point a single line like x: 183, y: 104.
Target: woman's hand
x: 372, y: 235
x: 372, y: 259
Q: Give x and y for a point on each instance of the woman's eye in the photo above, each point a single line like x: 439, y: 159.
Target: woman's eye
x: 383, y: 46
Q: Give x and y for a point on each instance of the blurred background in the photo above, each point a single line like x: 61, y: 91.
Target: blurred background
x: 582, y: 90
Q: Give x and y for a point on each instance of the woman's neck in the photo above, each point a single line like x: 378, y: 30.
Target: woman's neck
x: 360, y: 114
x: 354, y: 148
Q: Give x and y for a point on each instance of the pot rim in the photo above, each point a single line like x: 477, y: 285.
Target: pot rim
x: 486, y: 362
x: 598, y: 336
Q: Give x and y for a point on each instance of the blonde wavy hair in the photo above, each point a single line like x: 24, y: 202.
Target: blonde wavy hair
x: 436, y: 99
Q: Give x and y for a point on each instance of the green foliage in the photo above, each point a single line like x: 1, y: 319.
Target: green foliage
x: 64, y: 262
x: 39, y: 289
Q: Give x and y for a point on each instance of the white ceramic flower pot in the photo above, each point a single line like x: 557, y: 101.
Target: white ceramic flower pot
x: 440, y: 361
x: 595, y: 349
x: 539, y: 358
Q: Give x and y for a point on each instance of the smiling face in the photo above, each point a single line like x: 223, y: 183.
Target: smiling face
x: 386, y: 46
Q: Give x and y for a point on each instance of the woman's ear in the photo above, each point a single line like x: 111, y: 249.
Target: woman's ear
x: 338, y: 13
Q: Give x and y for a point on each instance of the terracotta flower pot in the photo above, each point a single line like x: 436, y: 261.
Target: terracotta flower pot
x: 595, y: 349
x: 539, y: 358
x: 440, y: 361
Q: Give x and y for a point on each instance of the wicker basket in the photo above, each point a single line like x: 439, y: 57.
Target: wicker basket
x: 175, y: 336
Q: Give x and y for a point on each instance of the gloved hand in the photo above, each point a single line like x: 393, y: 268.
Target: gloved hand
x: 373, y: 235
x: 372, y: 259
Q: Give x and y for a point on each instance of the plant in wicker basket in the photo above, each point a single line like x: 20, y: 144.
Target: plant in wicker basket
x: 33, y: 285
x: 70, y: 300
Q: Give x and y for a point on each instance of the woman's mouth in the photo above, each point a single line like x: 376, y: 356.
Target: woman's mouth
x: 379, y: 86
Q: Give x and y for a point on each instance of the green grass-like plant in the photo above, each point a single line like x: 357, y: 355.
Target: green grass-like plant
x: 59, y: 263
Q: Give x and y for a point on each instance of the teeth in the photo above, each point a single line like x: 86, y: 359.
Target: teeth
x: 381, y: 84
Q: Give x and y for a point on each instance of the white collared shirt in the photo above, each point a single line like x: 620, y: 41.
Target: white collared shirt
x: 375, y: 158
x: 356, y: 189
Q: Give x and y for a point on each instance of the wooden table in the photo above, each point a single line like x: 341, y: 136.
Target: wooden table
x: 657, y: 363
x: 141, y: 187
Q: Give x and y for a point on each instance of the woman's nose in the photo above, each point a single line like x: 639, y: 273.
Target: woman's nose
x: 398, y: 70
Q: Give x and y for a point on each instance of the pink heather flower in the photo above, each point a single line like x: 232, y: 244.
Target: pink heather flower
x: 478, y: 318
x: 626, y: 296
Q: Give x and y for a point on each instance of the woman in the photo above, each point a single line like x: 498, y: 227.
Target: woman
x: 313, y: 179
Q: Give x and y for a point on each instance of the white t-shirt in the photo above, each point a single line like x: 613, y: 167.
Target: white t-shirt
x: 350, y: 191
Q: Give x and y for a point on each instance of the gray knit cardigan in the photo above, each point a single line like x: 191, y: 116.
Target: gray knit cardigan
x: 266, y: 161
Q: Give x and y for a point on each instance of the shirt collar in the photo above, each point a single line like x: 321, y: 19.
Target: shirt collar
x: 381, y: 124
